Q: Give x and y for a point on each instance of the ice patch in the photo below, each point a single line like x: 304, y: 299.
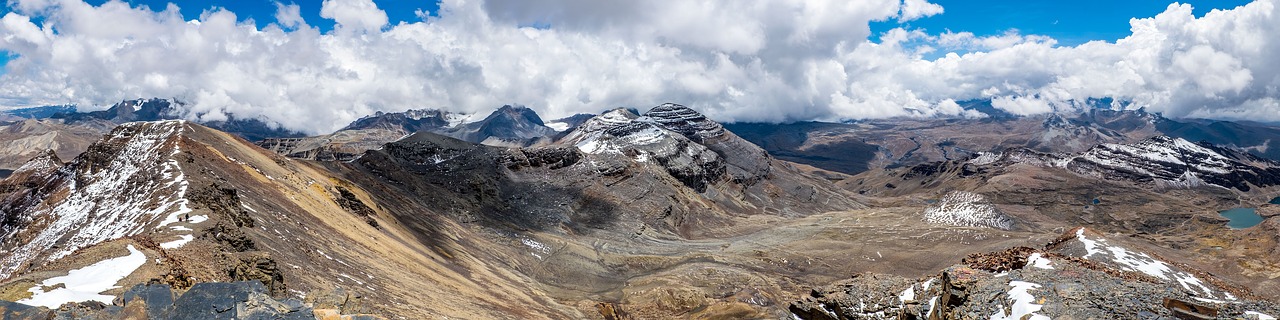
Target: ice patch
x: 86, y: 284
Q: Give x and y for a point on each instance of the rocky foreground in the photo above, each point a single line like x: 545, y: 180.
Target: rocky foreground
x: 211, y: 300
x: 1081, y: 275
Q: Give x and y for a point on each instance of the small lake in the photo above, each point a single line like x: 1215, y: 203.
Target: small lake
x: 1276, y: 200
x: 1241, y: 217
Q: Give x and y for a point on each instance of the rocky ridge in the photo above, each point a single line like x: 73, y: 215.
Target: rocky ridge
x: 1160, y: 161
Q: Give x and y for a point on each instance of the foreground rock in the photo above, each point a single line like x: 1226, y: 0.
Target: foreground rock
x: 213, y: 300
x: 1079, y: 276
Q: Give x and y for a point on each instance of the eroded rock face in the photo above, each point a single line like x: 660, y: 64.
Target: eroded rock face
x: 620, y: 132
x: 1175, y: 162
x: 695, y: 149
x: 745, y: 162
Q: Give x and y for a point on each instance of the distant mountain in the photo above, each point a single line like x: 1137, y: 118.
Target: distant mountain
x: 515, y: 126
x: 41, y: 112
x: 408, y: 121
x: 508, y: 126
x: 423, y: 215
x: 155, y: 109
x: 866, y: 145
x: 1160, y: 161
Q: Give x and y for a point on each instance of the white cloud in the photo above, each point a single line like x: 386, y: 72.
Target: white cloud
x: 1023, y: 105
x: 289, y: 16
x: 776, y: 60
x: 358, y: 15
x: 968, y: 41
x: 916, y: 9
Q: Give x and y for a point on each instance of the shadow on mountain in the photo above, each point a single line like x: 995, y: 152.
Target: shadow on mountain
x: 787, y: 142
x: 470, y: 183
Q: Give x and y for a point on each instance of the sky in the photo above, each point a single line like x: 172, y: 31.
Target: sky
x: 317, y: 65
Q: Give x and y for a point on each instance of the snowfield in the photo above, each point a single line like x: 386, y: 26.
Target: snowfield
x: 86, y: 284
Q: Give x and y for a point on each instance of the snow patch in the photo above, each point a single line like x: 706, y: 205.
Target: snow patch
x: 182, y: 240
x: 557, y: 126
x: 1023, y: 303
x: 537, y: 247
x: 1038, y: 261
x: 85, y: 284
x: 1258, y: 315
x: 907, y: 295
x: 985, y: 158
x: 1121, y: 258
x: 967, y: 209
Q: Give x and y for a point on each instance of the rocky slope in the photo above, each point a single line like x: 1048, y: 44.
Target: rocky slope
x: 207, y: 206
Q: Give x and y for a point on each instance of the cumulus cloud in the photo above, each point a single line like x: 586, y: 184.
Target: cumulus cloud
x: 915, y: 9
x: 289, y: 15
x: 358, y: 15
x: 778, y: 60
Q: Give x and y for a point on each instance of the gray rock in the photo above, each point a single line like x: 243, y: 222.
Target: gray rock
x: 157, y: 297
x: 18, y: 311
x: 235, y: 300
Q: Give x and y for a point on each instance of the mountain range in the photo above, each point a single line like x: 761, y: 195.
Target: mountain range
x: 626, y: 214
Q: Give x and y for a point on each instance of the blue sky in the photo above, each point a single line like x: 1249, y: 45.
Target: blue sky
x: 263, y: 11
x: 1070, y: 22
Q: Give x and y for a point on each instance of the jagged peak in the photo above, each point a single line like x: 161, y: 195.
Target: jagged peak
x: 516, y: 112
